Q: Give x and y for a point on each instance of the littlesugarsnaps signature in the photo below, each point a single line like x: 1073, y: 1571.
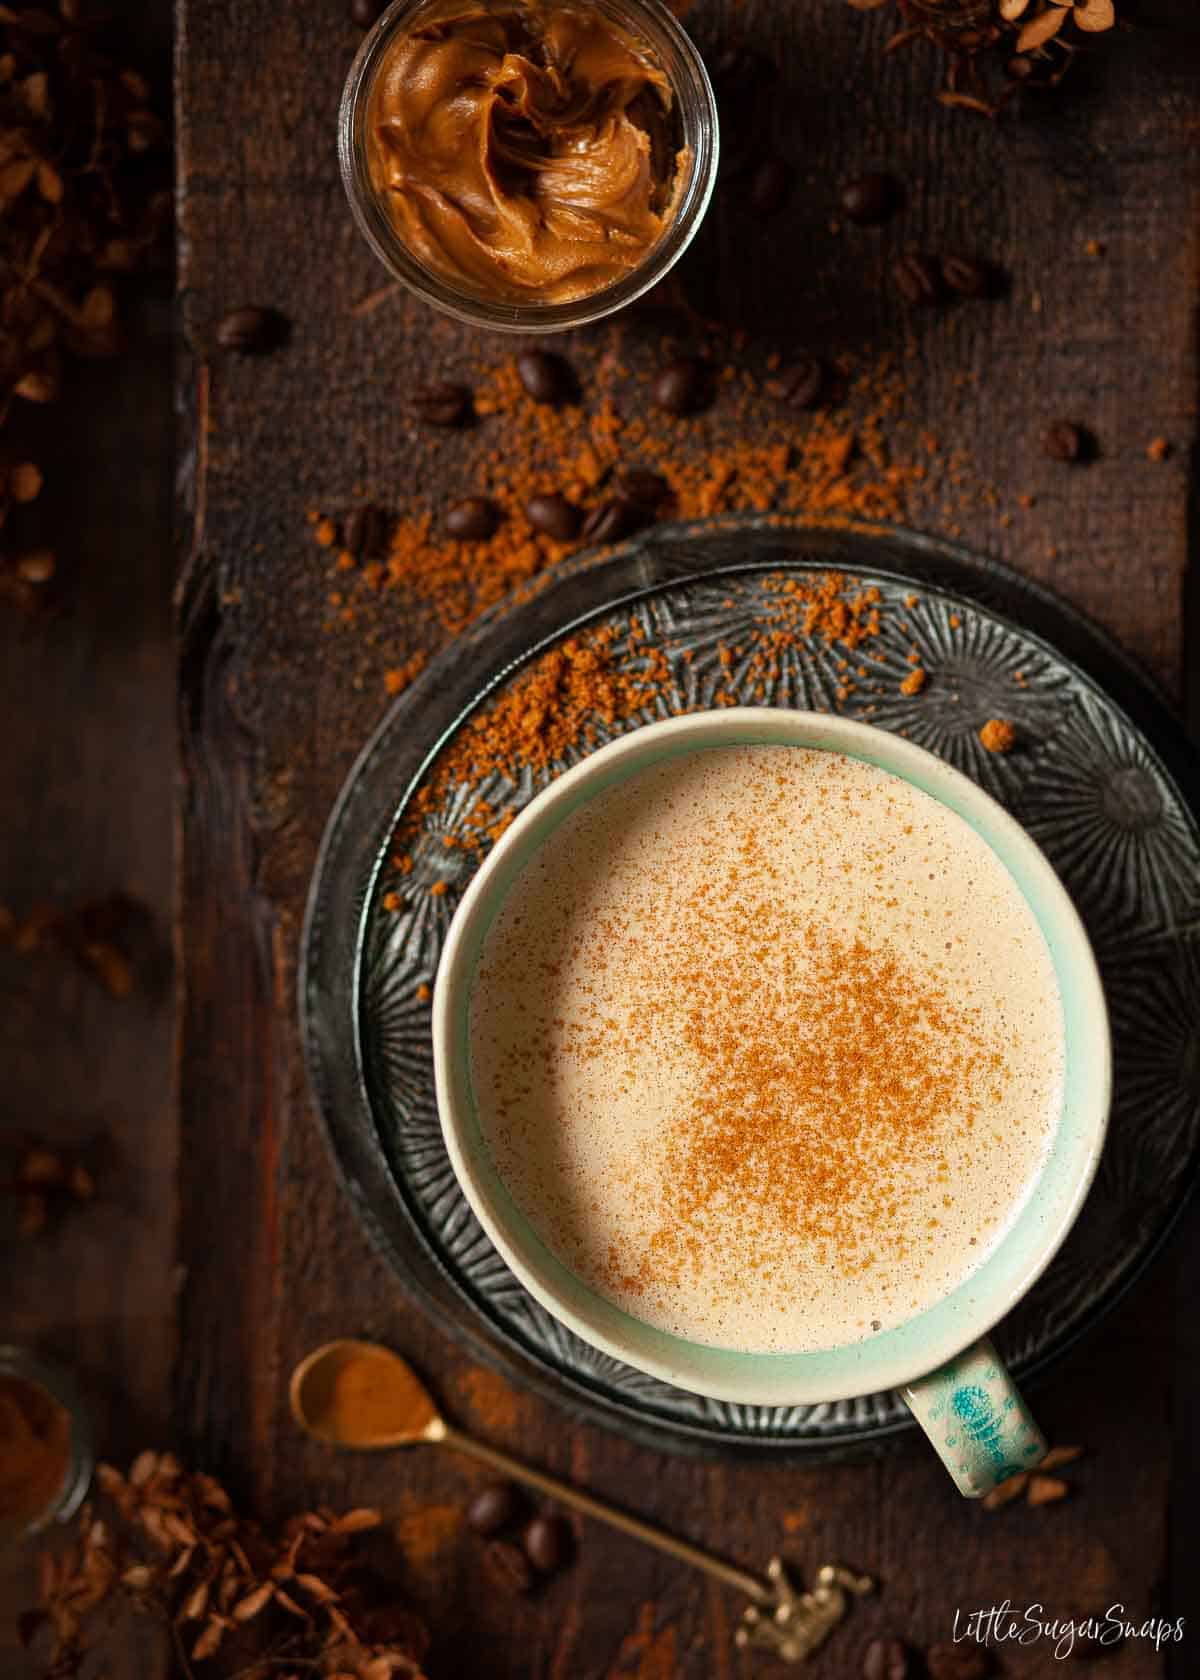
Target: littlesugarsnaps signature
x: 1002, y: 1624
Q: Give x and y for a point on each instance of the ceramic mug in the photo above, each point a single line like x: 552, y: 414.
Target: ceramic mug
x: 940, y: 1360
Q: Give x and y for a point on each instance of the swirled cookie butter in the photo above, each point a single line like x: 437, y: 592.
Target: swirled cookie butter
x: 768, y: 1047
x: 524, y: 151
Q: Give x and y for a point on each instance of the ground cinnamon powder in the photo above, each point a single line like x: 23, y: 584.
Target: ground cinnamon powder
x: 876, y: 1057
x: 748, y: 453
x: 35, y: 1449
x: 576, y: 695
x: 365, y: 1395
x: 425, y: 1532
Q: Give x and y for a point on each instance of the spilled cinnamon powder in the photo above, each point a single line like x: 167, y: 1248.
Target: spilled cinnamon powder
x: 750, y: 453
x: 576, y: 695
x: 492, y: 1401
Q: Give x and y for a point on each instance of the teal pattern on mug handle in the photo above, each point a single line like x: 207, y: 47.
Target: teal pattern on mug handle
x: 972, y: 1412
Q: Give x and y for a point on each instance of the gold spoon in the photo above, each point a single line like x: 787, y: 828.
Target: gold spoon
x: 364, y: 1397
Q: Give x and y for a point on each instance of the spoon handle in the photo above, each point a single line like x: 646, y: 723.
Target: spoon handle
x: 567, y: 1495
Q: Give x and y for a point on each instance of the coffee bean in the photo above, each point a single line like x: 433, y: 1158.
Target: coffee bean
x: 916, y: 278
x: 1064, y: 441
x: 966, y: 277
x: 639, y: 484
x: 616, y: 518
x: 770, y: 186
x: 554, y: 516
x: 958, y: 1662
x: 682, y: 386
x: 441, y: 403
x: 738, y: 73
x: 548, y: 378
x: 252, y: 331
x: 507, y: 1567
x: 365, y: 532
x: 799, y: 384
x: 365, y: 12
x: 495, y: 1506
x: 472, y: 520
x: 739, y: 77
x: 547, y: 1542
x: 886, y: 1659
x: 870, y: 199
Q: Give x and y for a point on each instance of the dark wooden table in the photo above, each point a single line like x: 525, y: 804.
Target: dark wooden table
x: 233, y: 1251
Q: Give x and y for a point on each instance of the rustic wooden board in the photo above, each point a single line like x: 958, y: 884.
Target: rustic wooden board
x: 274, y: 709
x: 87, y: 756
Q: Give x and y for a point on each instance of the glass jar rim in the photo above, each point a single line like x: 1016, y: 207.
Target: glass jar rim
x: 56, y: 1381
x: 692, y: 89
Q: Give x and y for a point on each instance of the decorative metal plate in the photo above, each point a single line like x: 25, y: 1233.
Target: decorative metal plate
x: 1103, y: 778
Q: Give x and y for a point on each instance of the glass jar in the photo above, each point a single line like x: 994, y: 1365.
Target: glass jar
x: 697, y: 117
x: 41, y: 1395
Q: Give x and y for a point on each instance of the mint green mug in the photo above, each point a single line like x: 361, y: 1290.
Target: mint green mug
x: 940, y: 1359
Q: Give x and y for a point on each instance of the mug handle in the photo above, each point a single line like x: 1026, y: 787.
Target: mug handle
x: 979, y: 1425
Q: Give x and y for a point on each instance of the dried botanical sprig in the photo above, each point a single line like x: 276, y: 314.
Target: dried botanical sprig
x: 176, y: 1548
x: 1038, y: 1486
x: 995, y: 47
x: 96, y: 934
x: 45, y: 1182
x: 84, y: 200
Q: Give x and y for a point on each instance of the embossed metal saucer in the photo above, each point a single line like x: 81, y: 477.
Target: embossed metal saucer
x: 1103, y: 777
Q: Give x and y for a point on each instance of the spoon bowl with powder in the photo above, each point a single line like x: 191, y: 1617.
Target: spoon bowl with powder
x: 363, y: 1397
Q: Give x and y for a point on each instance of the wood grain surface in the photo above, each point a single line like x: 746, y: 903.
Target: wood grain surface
x: 273, y: 709
x: 87, y: 759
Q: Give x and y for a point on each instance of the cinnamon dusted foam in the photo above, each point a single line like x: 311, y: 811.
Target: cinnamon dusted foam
x: 768, y: 1047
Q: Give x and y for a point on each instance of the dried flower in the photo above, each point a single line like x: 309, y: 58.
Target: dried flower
x: 46, y: 1182
x: 178, y: 1550
x: 1037, y: 1485
x: 84, y: 199
x: 994, y: 47
x: 96, y: 934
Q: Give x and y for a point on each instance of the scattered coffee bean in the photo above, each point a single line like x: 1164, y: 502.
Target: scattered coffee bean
x: 871, y: 199
x: 547, y: 1542
x: 958, y: 1662
x: 365, y: 532
x: 799, y: 384
x: 548, y: 378
x: 252, y: 331
x: 495, y: 1506
x: 507, y: 1566
x: 916, y: 278
x: 739, y: 77
x: 441, y: 403
x: 614, y: 519
x: 966, y: 276
x: 770, y: 186
x: 886, y: 1659
x: 737, y: 72
x: 472, y: 520
x: 682, y: 386
x: 641, y: 485
x: 1063, y: 441
x: 365, y: 12
x: 554, y: 516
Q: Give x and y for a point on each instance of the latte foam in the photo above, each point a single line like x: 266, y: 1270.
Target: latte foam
x: 768, y: 1047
